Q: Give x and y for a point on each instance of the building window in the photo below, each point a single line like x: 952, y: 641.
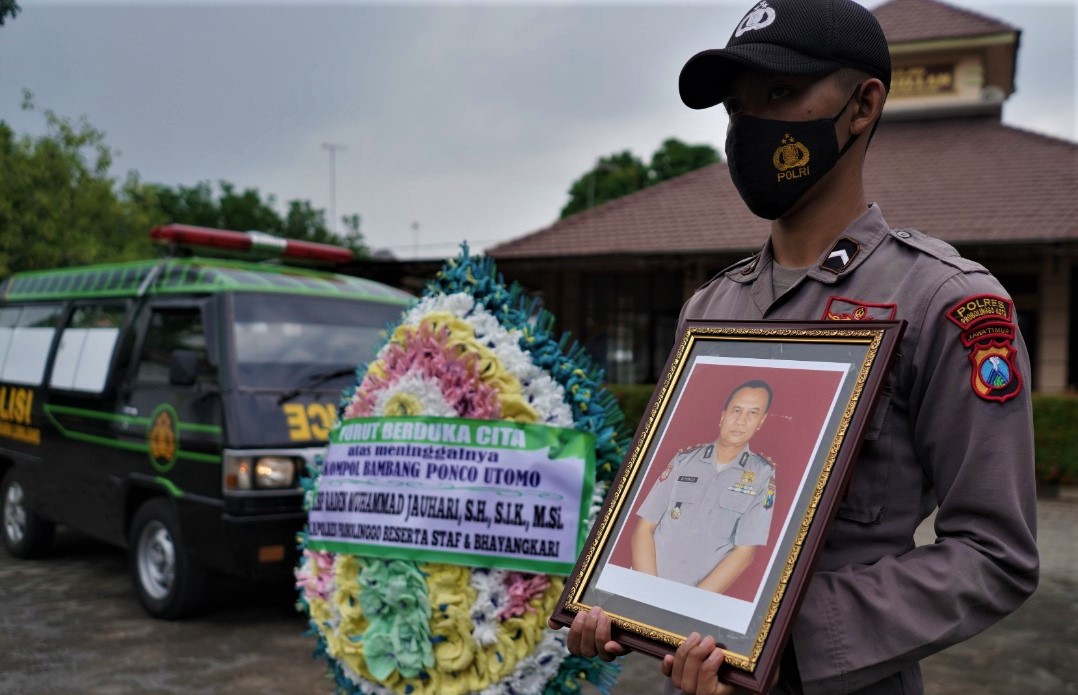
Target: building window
x: 629, y: 322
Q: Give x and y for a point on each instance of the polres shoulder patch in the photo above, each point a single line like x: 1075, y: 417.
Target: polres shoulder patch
x: 988, y: 330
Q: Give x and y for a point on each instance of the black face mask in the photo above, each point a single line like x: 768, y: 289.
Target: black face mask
x: 773, y: 163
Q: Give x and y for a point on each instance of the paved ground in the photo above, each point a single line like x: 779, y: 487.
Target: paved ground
x: 70, y: 623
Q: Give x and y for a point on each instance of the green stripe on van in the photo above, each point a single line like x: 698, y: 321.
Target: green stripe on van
x: 192, y: 275
x: 120, y: 444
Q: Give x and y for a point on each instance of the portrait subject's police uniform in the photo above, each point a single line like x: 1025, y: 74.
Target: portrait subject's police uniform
x: 953, y: 430
x: 702, y: 508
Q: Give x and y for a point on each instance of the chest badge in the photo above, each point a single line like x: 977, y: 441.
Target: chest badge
x: 843, y: 309
x: 675, y: 513
x: 744, y: 485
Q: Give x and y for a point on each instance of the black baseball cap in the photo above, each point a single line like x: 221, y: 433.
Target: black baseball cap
x: 789, y: 37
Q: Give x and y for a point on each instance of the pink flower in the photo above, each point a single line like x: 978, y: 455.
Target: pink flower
x: 522, y: 588
x: 315, y: 576
x: 427, y: 351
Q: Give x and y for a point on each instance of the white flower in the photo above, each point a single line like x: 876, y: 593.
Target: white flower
x: 490, y: 596
x: 415, y: 391
x: 533, y: 671
x: 598, y: 495
x: 458, y: 304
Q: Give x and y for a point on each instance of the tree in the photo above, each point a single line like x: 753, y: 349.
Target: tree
x: 674, y: 158
x: 8, y: 8
x: 612, y: 177
x: 60, y: 207
x: 623, y: 173
x: 248, y: 210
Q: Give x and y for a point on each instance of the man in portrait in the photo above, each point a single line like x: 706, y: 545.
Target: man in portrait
x: 711, y: 507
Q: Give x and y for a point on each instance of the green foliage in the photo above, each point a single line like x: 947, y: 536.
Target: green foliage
x: 8, y: 8
x: 612, y: 177
x: 1056, y: 437
x: 60, y: 206
x: 623, y: 173
x: 674, y: 158
x: 246, y: 210
x: 1055, y: 428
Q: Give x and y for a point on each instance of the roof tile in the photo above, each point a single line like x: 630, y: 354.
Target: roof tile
x: 964, y: 180
x: 921, y: 20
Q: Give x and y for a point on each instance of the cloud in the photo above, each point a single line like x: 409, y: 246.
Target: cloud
x: 472, y: 120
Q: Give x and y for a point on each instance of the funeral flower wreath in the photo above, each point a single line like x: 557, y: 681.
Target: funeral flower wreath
x: 470, y: 348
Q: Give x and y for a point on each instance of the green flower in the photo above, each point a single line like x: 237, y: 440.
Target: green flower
x: 400, y: 643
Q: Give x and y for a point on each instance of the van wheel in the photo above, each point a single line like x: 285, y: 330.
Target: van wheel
x: 25, y: 533
x: 169, y: 585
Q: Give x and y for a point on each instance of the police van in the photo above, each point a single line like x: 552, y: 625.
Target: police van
x: 171, y: 406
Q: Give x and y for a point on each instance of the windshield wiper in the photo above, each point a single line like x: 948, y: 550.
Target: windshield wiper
x: 314, y: 380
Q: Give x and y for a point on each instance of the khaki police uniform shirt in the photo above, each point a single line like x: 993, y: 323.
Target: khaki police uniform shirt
x: 948, y: 433
x: 703, y: 508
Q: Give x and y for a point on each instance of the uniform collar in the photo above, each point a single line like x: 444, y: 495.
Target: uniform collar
x: 843, y: 256
x: 739, y: 459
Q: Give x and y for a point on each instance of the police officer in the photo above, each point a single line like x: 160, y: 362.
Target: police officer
x: 701, y: 522
x: 804, y: 83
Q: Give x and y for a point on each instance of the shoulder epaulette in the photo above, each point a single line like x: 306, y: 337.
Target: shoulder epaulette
x: 722, y: 273
x: 938, y: 249
x: 766, y: 459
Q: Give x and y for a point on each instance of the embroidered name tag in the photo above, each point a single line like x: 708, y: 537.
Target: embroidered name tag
x: 687, y: 479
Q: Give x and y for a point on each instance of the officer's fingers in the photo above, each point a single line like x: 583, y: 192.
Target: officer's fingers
x: 576, y: 635
x: 677, y: 669
x: 708, y: 678
x: 602, y: 627
x: 589, y: 645
x: 691, y: 682
x: 552, y: 625
x: 668, y: 665
x: 608, y: 649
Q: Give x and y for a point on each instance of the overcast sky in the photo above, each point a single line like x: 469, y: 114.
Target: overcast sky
x: 468, y: 119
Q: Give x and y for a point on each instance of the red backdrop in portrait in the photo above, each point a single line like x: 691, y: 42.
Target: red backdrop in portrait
x: 801, y: 398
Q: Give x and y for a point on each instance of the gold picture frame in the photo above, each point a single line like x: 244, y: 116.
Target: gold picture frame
x: 744, y: 452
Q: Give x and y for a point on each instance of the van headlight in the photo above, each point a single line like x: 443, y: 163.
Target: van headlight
x: 247, y: 473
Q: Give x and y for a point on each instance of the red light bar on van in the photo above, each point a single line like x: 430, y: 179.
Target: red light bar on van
x: 257, y: 242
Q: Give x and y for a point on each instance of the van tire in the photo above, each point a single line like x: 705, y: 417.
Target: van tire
x: 25, y: 533
x: 168, y: 583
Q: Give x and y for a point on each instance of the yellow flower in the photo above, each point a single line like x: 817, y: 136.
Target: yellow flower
x: 403, y: 404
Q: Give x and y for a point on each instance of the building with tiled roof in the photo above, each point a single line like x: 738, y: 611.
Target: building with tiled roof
x: 942, y: 161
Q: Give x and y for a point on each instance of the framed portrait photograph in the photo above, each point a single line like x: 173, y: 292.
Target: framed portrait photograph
x: 719, y: 511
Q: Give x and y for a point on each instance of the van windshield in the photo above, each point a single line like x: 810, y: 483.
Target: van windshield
x: 288, y: 341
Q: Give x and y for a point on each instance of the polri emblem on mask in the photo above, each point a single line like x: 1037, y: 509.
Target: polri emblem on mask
x: 791, y: 159
x: 749, y: 142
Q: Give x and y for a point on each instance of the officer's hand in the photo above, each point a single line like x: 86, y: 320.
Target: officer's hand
x: 694, y: 668
x: 590, y: 636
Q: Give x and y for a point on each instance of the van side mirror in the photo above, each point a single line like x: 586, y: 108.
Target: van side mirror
x: 183, y: 367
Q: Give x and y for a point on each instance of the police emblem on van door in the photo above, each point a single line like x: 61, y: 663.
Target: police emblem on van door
x: 163, y: 437
x: 791, y: 159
